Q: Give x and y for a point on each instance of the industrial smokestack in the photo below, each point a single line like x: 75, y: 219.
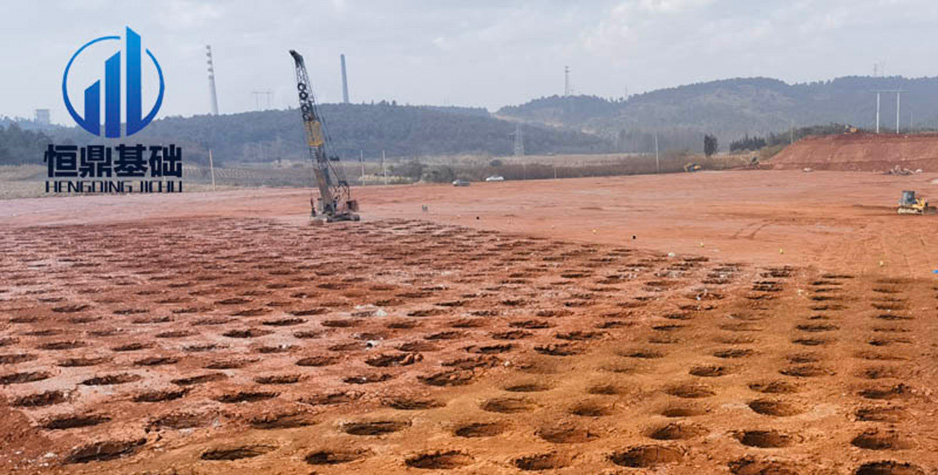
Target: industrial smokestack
x: 344, y: 81
x: 211, y: 79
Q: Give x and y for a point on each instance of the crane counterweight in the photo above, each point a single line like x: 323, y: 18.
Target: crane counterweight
x: 335, y: 201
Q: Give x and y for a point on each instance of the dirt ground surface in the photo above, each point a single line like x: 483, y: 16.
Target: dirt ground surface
x: 763, y: 322
x: 861, y: 152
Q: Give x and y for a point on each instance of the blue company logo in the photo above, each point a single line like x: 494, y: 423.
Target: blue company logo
x: 112, y: 91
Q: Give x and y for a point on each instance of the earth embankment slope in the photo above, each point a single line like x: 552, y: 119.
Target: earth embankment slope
x: 861, y: 152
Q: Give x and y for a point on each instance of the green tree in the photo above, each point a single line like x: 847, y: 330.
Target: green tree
x: 440, y: 174
x: 412, y: 169
x: 711, y: 146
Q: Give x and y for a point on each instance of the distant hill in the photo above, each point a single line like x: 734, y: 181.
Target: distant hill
x: 732, y: 108
x: 401, y: 131
x: 680, y: 116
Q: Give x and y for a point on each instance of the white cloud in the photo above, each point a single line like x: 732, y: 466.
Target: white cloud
x: 441, y: 43
x: 188, y: 14
x: 668, y: 6
x: 480, y: 52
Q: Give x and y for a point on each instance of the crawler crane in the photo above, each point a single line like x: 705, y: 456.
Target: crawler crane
x: 335, y: 201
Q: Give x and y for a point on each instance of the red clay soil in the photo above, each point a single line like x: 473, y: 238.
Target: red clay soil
x: 138, y: 335
x: 861, y: 152
x: 828, y: 220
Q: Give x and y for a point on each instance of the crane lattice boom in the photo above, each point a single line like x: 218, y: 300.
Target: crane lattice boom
x: 335, y: 196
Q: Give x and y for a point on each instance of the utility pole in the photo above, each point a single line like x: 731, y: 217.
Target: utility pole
x: 361, y: 160
x: 791, y: 133
x: 657, y: 156
x: 898, y: 106
x: 211, y: 167
x: 384, y: 169
x: 898, y: 102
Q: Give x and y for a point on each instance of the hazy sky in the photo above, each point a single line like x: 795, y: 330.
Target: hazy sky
x: 480, y: 53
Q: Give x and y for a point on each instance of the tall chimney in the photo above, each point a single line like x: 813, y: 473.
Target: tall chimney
x: 344, y: 81
x: 211, y: 80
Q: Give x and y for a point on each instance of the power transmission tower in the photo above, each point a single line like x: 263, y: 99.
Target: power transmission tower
x: 519, y: 141
x: 257, y: 98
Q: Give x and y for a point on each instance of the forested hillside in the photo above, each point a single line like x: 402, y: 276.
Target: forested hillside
x: 401, y: 131
x: 21, y: 146
x: 733, y: 108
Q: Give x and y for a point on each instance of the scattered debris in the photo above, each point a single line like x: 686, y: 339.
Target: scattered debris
x: 900, y: 171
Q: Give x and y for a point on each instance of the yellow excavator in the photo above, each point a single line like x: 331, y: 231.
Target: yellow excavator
x: 692, y: 167
x: 910, y: 204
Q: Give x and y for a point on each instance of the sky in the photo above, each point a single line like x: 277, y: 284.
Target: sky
x: 483, y: 53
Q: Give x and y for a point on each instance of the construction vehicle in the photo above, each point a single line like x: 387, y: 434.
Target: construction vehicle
x: 910, y: 204
x: 335, y: 201
x: 692, y: 167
